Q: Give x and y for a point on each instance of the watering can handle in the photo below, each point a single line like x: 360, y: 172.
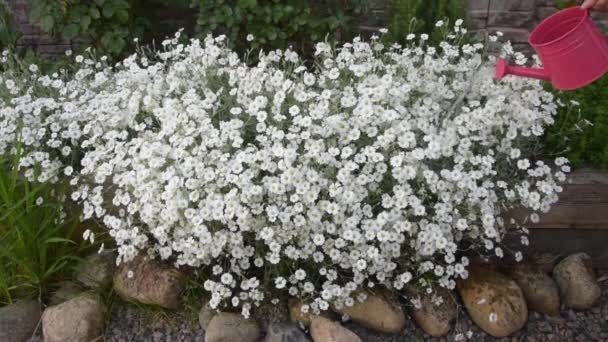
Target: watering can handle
x: 503, y: 68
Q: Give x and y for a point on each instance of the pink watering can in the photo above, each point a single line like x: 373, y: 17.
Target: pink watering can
x: 573, y: 50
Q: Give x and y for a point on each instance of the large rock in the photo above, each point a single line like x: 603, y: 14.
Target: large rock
x: 494, y: 302
x: 436, y: 313
x: 577, y: 282
x: 325, y: 330
x: 18, y: 321
x: 97, y: 270
x: 230, y: 327
x: 151, y: 282
x: 540, y: 290
x: 79, y: 319
x: 285, y: 332
x: 377, y: 313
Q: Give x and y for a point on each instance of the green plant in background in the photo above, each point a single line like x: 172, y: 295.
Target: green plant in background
x: 109, y: 24
x: 277, y: 24
x: 37, y: 247
x: 581, y: 132
x: 418, y: 16
x: 8, y: 32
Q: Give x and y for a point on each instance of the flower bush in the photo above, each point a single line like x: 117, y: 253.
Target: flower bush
x: 374, y: 166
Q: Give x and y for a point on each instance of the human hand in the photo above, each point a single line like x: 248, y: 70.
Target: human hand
x: 599, y: 5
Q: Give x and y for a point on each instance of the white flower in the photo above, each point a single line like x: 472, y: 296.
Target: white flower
x: 227, y: 278
x: 439, y: 23
x: 347, y: 165
x: 523, y: 164
x: 250, y: 38
x: 280, y: 282
x: 493, y: 317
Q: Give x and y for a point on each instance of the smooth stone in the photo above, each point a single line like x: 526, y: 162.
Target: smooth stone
x: 540, y: 290
x: 231, y: 327
x: 494, y: 302
x: 79, y: 319
x: 325, y: 330
x: 153, y: 282
x: 285, y: 332
x: 436, y: 320
x: 18, y: 321
x: 205, y: 315
x: 577, y: 281
x: 377, y: 313
x: 97, y: 270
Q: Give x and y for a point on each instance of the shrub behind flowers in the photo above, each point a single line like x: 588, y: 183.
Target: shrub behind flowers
x: 373, y: 167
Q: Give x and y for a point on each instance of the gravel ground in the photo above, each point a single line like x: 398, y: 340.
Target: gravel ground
x: 130, y: 324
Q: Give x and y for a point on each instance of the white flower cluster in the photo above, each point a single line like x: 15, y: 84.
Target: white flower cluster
x: 374, y: 166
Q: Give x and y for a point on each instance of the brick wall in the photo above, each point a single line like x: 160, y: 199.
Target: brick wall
x: 515, y: 18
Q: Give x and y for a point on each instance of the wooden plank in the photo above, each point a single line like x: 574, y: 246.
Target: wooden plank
x: 582, y: 205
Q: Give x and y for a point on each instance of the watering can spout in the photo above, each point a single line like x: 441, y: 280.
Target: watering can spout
x: 503, y: 69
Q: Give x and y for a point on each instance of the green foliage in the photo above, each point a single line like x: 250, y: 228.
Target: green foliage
x: 582, y: 131
x: 8, y: 32
x: 277, y: 24
x: 36, y: 238
x: 561, y: 4
x: 419, y: 16
x: 109, y: 24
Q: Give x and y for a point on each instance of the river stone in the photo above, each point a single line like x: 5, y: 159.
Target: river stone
x: 540, y: 290
x: 494, y: 302
x: 377, y: 313
x: 435, y: 320
x: 79, y: 319
x: 152, y: 282
x: 231, y: 327
x: 325, y: 330
x: 18, y: 321
x: 285, y: 332
x: 577, y: 281
x: 205, y: 315
x: 97, y: 270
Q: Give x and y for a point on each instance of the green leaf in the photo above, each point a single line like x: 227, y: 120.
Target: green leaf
x: 94, y: 12
x: 85, y: 21
x: 100, y: 2
x: 59, y: 240
x: 247, y: 3
x: 46, y: 23
x: 70, y: 31
x: 122, y: 16
x: 108, y: 10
